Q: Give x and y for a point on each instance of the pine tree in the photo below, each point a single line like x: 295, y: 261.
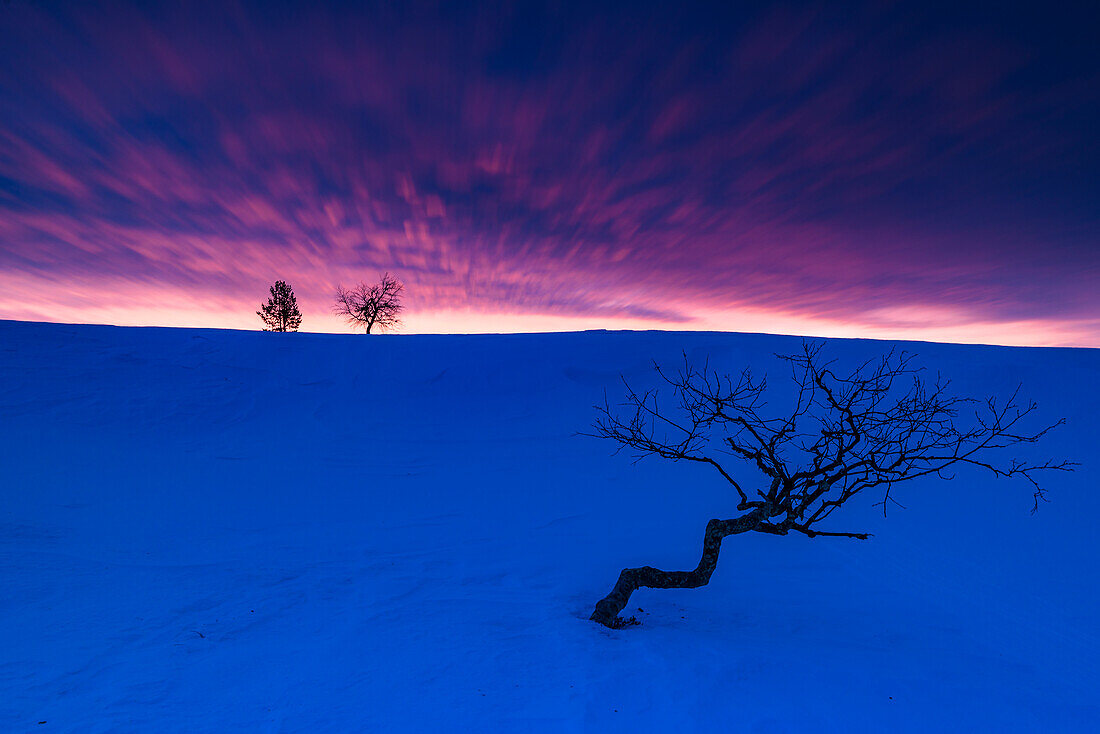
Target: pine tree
x: 281, y: 313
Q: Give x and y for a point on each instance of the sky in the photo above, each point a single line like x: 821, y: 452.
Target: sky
x: 915, y: 170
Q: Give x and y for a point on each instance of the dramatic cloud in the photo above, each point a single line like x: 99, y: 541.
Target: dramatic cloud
x: 832, y: 170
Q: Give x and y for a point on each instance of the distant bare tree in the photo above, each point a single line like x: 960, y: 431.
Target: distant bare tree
x: 281, y: 313
x: 368, y: 306
x: 878, y: 426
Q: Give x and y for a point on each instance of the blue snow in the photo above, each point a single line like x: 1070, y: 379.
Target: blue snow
x: 216, y: 531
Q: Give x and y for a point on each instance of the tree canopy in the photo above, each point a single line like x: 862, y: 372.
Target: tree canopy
x: 280, y: 313
x: 369, y: 306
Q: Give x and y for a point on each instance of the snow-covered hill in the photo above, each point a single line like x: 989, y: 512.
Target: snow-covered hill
x: 214, y: 531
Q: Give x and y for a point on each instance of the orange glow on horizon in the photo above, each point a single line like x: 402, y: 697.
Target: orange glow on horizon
x: 132, y: 304
x: 896, y: 180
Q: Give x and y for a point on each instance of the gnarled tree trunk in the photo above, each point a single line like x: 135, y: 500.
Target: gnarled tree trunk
x: 878, y: 426
x: 607, y: 609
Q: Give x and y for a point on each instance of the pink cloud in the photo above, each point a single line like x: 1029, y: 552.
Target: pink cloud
x: 817, y: 173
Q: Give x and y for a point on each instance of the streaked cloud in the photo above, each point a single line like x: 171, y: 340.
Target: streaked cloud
x: 835, y: 170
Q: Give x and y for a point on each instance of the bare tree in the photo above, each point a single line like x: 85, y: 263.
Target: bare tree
x: 281, y: 313
x: 368, y: 306
x: 871, y: 429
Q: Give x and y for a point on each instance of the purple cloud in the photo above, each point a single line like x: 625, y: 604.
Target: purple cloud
x: 870, y: 171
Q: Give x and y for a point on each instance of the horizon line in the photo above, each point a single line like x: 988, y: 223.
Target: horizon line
x: 550, y: 333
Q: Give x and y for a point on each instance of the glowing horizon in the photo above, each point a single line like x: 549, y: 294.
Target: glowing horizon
x: 894, y: 174
x: 1020, y: 333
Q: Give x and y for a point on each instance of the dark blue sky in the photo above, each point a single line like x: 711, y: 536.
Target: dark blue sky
x: 916, y: 169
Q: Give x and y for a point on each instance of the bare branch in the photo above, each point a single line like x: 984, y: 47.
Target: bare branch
x: 368, y: 306
x: 878, y: 425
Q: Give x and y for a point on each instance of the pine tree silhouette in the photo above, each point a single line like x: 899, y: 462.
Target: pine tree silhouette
x: 281, y: 313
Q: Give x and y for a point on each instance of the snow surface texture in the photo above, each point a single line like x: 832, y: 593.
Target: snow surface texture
x: 214, y: 531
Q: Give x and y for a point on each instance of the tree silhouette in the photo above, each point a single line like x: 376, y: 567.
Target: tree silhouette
x: 368, y: 306
x: 871, y: 429
x: 281, y: 313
